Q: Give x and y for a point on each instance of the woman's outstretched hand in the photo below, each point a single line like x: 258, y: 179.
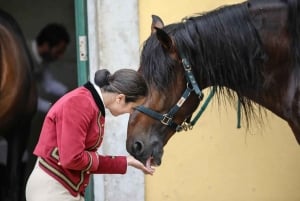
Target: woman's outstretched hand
x: 131, y: 161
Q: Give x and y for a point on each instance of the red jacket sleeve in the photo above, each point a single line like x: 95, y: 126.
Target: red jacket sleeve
x: 112, y: 165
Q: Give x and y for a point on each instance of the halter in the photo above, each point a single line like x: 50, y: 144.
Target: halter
x: 167, y: 118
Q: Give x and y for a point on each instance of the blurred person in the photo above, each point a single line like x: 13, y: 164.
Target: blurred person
x: 49, y: 46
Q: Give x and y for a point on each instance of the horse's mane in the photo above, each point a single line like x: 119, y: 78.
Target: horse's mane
x: 294, y: 28
x: 230, y: 50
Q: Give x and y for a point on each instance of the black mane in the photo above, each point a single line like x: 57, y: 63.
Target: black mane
x: 231, y: 52
x: 223, y: 47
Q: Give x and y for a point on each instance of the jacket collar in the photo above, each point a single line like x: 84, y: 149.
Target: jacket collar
x: 96, y: 97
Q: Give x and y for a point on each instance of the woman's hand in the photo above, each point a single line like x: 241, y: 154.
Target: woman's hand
x: 131, y: 161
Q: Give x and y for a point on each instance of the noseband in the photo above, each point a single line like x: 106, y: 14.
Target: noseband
x: 191, y: 86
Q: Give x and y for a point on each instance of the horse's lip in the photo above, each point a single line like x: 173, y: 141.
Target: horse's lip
x: 156, y: 161
x: 151, y: 156
x: 153, y: 160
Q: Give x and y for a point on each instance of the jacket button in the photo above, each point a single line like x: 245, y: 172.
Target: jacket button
x: 88, y: 172
x: 59, y: 163
x: 85, y: 185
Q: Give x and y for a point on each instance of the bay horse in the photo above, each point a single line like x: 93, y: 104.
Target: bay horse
x: 248, y: 52
x: 18, y: 102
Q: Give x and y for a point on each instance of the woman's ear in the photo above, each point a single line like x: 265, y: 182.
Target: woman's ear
x: 120, y: 98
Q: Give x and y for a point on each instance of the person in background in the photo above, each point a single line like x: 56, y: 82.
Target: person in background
x: 72, y: 132
x: 49, y: 46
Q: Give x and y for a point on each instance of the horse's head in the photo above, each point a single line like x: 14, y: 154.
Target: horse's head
x: 172, y: 98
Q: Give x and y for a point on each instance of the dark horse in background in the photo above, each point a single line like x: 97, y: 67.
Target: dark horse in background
x: 249, y: 51
x: 17, y: 104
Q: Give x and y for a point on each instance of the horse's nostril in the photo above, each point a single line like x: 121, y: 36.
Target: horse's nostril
x: 137, y: 147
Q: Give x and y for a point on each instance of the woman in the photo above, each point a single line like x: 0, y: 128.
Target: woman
x: 73, y: 131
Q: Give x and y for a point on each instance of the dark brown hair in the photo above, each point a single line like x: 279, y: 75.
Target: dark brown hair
x: 124, y: 81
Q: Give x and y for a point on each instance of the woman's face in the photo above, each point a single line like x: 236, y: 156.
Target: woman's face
x: 119, y: 106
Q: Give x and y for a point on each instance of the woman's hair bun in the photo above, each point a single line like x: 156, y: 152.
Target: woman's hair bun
x: 102, y: 77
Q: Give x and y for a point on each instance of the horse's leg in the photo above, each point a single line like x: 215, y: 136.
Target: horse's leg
x: 15, y: 169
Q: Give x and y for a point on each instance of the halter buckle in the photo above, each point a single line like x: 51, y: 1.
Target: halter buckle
x: 166, y: 120
x: 186, y: 64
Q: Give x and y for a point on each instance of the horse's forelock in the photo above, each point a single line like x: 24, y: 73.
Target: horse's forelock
x: 156, y: 65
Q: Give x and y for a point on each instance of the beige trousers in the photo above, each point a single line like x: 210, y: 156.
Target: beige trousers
x: 42, y: 187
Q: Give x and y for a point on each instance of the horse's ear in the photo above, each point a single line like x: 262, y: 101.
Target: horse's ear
x: 164, y: 39
x: 156, y: 23
x: 162, y: 36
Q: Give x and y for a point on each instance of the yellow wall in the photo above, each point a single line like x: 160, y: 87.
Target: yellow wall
x: 216, y: 161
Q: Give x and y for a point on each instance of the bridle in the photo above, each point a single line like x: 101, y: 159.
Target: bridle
x: 191, y: 86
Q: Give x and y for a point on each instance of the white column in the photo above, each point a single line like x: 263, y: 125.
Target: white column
x: 114, y: 44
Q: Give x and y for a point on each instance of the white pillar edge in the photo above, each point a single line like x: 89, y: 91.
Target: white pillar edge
x: 114, y: 44
x: 93, y: 67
